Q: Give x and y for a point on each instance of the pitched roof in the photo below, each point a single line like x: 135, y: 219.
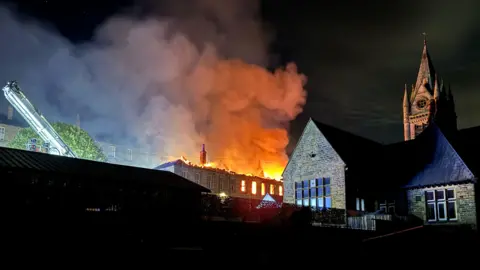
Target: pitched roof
x: 168, y: 164
x: 441, y: 162
x: 426, y: 71
x: 14, y: 159
x: 352, y: 148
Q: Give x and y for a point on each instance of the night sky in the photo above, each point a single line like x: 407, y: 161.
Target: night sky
x: 357, y: 56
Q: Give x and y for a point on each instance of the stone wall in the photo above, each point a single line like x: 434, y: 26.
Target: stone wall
x: 465, y: 203
x: 312, y: 158
x: 220, y: 181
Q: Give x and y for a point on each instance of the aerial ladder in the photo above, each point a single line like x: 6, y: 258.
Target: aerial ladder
x: 36, y: 120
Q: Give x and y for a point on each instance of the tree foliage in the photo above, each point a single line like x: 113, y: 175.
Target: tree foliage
x: 76, y: 138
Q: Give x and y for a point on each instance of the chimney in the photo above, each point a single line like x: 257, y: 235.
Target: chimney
x: 10, y: 112
x: 203, y: 156
x: 78, y: 120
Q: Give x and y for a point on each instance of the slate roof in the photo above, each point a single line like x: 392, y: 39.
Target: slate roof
x: 442, y: 164
x: 14, y: 159
x: 168, y: 164
x: 352, y: 148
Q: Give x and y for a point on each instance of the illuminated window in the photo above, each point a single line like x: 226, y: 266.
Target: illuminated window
x: 129, y: 154
x: 280, y: 190
x: 254, y: 187
x: 272, y: 189
x: 314, y: 193
x: 2, y: 133
x: 360, y: 204
x: 243, y: 187
x: 263, y: 188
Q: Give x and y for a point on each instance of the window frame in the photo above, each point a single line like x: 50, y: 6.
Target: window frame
x: 113, y: 151
x: 3, y: 133
x: 304, y: 187
x: 438, y: 201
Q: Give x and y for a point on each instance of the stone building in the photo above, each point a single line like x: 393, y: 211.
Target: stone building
x: 431, y: 175
x: 225, y: 182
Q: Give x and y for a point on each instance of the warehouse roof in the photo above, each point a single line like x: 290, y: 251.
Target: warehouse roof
x: 14, y: 159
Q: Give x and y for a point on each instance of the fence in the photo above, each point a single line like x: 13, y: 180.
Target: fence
x: 370, y: 222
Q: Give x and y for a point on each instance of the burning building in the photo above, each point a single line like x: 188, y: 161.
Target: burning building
x: 222, y: 181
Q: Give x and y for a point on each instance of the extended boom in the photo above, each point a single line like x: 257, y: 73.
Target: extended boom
x: 36, y: 120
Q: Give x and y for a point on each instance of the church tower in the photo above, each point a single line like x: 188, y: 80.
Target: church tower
x: 428, y: 100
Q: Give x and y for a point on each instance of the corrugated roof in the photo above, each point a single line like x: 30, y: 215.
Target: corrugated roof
x: 14, y: 159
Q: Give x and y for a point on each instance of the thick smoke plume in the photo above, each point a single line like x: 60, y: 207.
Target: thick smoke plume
x: 158, y: 81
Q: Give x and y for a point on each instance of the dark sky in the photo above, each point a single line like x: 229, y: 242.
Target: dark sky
x: 357, y: 54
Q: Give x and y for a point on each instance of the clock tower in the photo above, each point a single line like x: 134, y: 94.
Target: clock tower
x: 428, y: 100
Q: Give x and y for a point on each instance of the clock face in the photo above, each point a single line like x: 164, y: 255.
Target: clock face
x: 422, y: 103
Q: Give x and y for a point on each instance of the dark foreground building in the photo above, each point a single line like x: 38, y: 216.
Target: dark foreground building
x: 50, y: 198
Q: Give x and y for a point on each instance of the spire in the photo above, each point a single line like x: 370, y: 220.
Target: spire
x: 406, y: 103
x: 436, y: 90
x: 426, y: 70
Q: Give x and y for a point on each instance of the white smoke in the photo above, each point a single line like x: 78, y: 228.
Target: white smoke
x: 156, y: 79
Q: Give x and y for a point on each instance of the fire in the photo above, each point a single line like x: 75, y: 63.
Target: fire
x: 272, y: 172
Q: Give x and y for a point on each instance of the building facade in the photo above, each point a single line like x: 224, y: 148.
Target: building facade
x: 431, y: 176
x: 226, y: 183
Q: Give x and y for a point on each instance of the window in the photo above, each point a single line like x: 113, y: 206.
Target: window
x: 280, y: 190
x: 243, y: 187
x: 129, y: 154
x: 220, y: 183
x: 263, y: 189
x: 112, y: 150
x: 210, y: 182
x: 440, y: 205
x: 2, y: 133
x: 185, y: 174
x: 388, y: 207
x: 360, y: 204
x: 315, y: 193
x: 254, y: 187
x: 197, y: 178
x: 272, y: 189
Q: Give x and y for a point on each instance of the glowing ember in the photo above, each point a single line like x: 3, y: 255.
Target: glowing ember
x: 274, y: 173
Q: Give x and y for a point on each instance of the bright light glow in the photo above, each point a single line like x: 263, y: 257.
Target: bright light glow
x: 254, y: 187
x: 243, y: 186
x: 222, y: 194
x: 270, y: 171
x: 280, y: 190
x: 272, y: 189
x: 263, y: 189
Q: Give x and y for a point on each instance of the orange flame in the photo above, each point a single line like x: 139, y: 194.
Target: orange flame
x: 275, y: 173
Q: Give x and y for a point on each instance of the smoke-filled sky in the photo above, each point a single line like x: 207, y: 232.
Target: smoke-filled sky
x: 173, y: 81
x: 357, y: 57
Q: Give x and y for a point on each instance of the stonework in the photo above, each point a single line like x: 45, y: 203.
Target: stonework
x: 465, y: 204
x: 312, y: 158
x: 221, y: 181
